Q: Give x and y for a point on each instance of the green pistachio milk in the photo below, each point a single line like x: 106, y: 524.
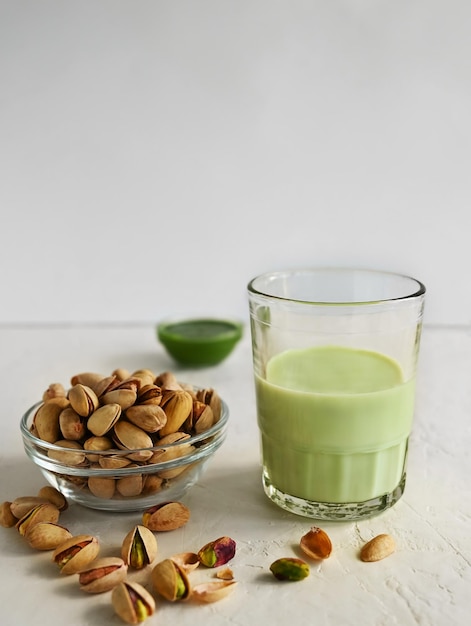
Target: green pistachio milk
x: 334, y: 423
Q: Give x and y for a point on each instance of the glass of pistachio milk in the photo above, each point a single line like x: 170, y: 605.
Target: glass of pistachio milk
x: 334, y: 354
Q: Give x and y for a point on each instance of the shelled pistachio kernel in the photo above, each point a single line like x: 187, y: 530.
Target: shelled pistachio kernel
x: 139, y: 547
x: 132, y: 602
x: 289, y: 568
x: 76, y: 553
x: 170, y: 581
x: 102, y: 574
x: 217, y: 552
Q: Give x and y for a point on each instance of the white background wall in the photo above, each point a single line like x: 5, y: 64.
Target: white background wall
x: 155, y: 155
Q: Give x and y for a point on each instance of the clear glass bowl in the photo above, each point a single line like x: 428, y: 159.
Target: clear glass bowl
x: 131, y: 488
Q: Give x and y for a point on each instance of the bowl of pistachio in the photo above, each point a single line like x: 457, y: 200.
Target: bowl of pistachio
x: 125, y: 441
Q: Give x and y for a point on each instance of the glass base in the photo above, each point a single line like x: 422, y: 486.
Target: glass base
x: 338, y: 511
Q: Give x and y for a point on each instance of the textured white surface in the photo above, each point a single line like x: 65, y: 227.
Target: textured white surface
x: 427, y: 581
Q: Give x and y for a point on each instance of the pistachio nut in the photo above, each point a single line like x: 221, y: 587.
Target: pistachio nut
x: 145, y: 376
x: 114, y: 461
x: 211, y: 397
x: 71, y: 424
x: 83, y: 399
x: 203, y: 417
x: 97, y: 444
x: 24, y: 504
x: 102, y: 487
x: 54, y: 391
x: 167, y: 381
x: 131, y: 485
x: 213, y: 591
x: 170, y: 581
x: 127, y: 436
x: 72, y: 453
x: 54, y: 496
x: 150, y: 417
x: 289, y: 568
x: 152, y: 484
x: 46, y: 535
x: 378, y: 548
x: 121, y: 373
x: 139, y: 547
x: 149, y: 394
x: 86, y: 378
x: 132, y: 602
x: 107, y: 383
x: 103, y: 419
x: 7, y: 519
x: 166, y: 516
x: 124, y: 397
x: 177, y: 405
x: 102, y: 574
x: 76, y: 553
x: 45, y: 512
x: 46, y: 421
x: 217, y: 552
x: 316, y: 543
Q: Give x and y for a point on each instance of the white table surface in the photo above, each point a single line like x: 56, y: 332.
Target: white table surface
x: 427, y: 580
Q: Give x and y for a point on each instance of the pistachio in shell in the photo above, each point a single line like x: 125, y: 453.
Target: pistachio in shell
x: 47, y: 535
x: 7, y: 519
x: 45, y: 512
x: 213, y: 591
x: 217, y: 552
x: 46, y: 422
x: 170, y: 581
x: 23, y: 504
x: 83, y: 399
x: 72, y: 453
x: 139, y: 547
x: 102, y: 487
x: 103, y: 419
x: 166, y: 516
x: 132, y: 602
x: 177, y: 405
x: 150, y: 417
x: 102, y: 574
x: 76, y: 553
x: 54, y: 496
x: 72, y: 425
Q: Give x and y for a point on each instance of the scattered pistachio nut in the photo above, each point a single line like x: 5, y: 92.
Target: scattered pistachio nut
x: 217, y: 552
x: 47, y: 535
x: 213, y: 591
x: 166, y: 516
x: 76, y: 553
x: 54, y: 496
x: 24, y: 504
x: 132, y: 602
x: 378, y: 548
x: 102, y: 574
x: 139, y: 547
x: 7, y: 519
x: 171, y: 581
x: 316, y: 543
x: 45, y: 512
x: 289, y: 568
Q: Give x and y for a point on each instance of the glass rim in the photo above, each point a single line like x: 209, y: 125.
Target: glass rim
x: 277, y: 274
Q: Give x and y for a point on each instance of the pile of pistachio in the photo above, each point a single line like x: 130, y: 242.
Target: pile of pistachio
x: 36, y: 518
x: 125, y: 411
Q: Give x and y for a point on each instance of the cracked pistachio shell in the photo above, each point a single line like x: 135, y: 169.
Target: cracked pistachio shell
x: 102, y: 574
x: 316, y: 543
x: 23, y: 504
x: 7, y: 519
x: 132, y: 602
x: 127, y: 436
x: 210, y: 396
x: 76, y: 553
x: 149, y: 394
x: 187, y: 561
x: 177, y: 405
x: 166, y: 516
x: 83, y: 399
x: 217, y: 552
x: 103, y: 419
x: 170, y: 581
x: 46, y: 535
x: 289, y: 568
x: 139, y: 547
x: 203, y: 417
x: 213, y: 591
x: 45, y: 512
